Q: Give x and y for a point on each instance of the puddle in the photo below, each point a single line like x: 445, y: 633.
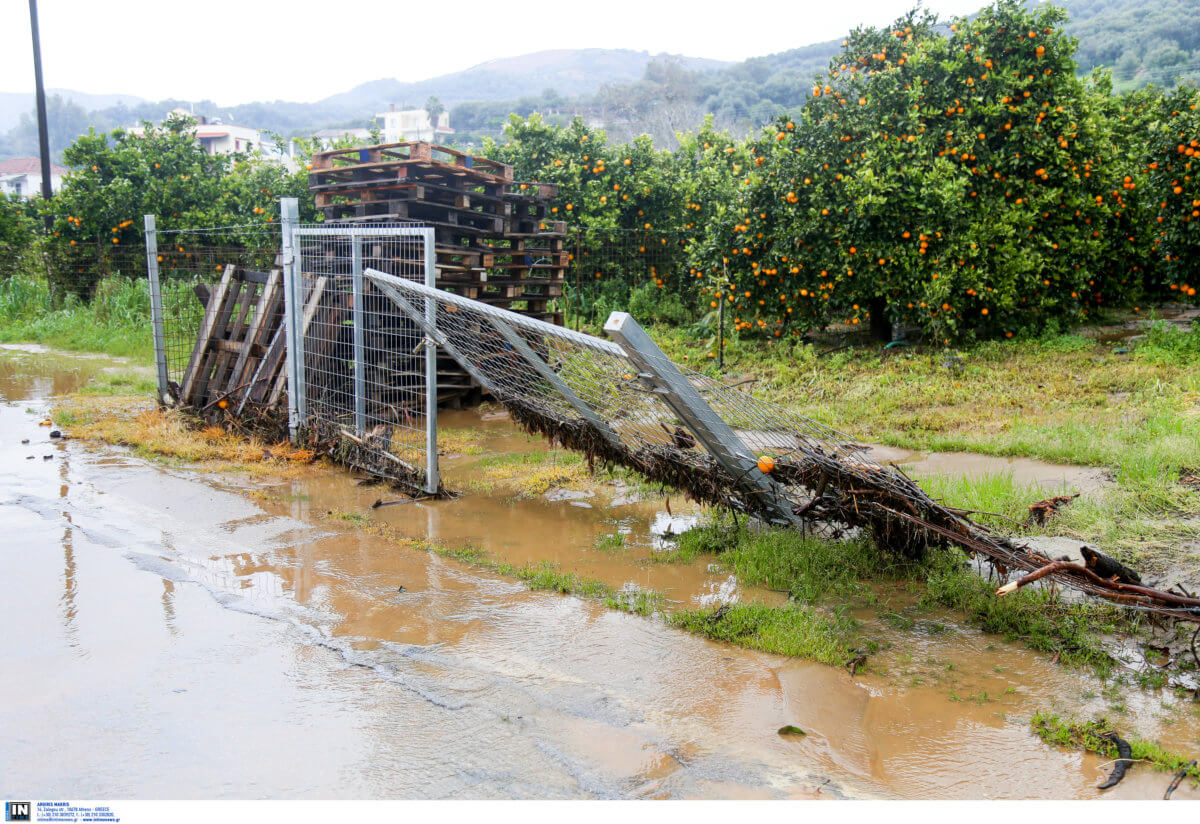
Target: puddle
x: 1052, y: 477
x: 178, y: 637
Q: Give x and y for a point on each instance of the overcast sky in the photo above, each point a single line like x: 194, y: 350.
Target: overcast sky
x: 236, y: 51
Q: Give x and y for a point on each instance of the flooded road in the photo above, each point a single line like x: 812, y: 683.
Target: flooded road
x: 170, y: 634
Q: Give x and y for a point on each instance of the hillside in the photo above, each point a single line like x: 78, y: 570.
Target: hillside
x: 15, y: 104
x: 1141, y: 42
x: 569, y: 73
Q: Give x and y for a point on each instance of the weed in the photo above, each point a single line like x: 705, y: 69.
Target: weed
x: 1034, y: 616
x: 796, y: 630
x: 347, y: 517
x: 1090, y: 736
x: 611, y: 542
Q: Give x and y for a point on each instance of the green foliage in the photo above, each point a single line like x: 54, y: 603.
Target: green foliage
x: 1093, y: 737
x: 117, y: 178
x: 964, y: 182
x: 17, y: 233
x: 17, y: 221
x: 1166, y: 343
x: 796, y: 630
x: 1034, y: 616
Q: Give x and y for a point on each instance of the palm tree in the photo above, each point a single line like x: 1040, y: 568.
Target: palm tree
x: 434, y: 109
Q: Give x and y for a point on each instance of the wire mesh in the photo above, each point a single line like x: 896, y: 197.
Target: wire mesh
x: 638, y: 270
x: 364, y: 362
x: 191, y: 263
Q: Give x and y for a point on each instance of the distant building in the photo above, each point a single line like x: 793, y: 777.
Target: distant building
x: 413, y: 124
x: 216, y: 137
x: 22, y: 176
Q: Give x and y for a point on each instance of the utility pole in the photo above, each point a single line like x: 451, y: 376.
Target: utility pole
x: 43, y: 126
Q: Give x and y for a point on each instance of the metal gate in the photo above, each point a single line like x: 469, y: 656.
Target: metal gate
x: 360, y: 374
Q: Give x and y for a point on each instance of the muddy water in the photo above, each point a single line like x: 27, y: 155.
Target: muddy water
x: 1049, y: 476
x: 179, y: 636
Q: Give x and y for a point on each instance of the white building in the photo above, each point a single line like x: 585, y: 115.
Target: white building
x: 216, y: 137
x: 413, y: 124
x: 22, y: 176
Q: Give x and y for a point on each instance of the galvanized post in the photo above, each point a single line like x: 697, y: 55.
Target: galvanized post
x: 156, y: 311
x: 360, y: 393
x: 432, y: 481
x: 292, y: 307
x: 665, y: 380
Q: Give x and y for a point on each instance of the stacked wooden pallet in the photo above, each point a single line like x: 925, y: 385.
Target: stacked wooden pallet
x: 494, y: 240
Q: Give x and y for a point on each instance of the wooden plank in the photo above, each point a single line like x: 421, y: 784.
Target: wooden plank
x: 310, y: 310
x: 267, y: 372
x: 238, y: 374
x: 211, y: 374
x: 191, y: 373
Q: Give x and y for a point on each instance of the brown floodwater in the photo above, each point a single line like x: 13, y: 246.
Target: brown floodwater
x: 174, y: 634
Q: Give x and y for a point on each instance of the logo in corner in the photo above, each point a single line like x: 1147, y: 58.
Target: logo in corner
x: 17, y: 810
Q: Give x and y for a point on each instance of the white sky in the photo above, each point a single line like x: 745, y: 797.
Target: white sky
x: 236, y: 51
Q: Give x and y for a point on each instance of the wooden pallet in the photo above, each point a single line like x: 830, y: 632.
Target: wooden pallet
x: 240, y: 347
x: 409, y: 151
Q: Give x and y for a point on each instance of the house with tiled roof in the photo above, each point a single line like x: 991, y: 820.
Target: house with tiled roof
x: 22, y: 176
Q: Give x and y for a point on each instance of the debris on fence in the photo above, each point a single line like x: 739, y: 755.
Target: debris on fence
x: 1043, y: 511
x: 628, y: 404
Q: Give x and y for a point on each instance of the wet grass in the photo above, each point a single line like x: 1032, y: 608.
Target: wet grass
x: 547, y: 577
x: 1090, y: 736
x: 819, y: 572
x: 528, y: 474
x: 1063, y: 398
x: 167, y: 436
x: 796, y: 630
x: 1146, y: 526
x: 1036, y: 617
x: 114, y: 322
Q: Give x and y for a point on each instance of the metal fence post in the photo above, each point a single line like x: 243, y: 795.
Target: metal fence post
x: 726, y: 447
x: 432, y: 481
x: 292, y: 305
x: 156, y: 311
x: 360, y: 394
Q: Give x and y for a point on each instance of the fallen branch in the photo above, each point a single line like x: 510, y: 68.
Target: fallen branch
x: 1122, y: 764
x: 1178, y: 779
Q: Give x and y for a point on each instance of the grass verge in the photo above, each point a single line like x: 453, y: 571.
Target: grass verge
x: 817, y: 572
x: 1089, y: 736
x: 166, y: 435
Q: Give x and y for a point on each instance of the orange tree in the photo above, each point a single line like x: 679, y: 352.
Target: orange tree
x: 965, y: 182
x: 117, y: 178
x: 1172, y: 197
x: 623, y: 202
